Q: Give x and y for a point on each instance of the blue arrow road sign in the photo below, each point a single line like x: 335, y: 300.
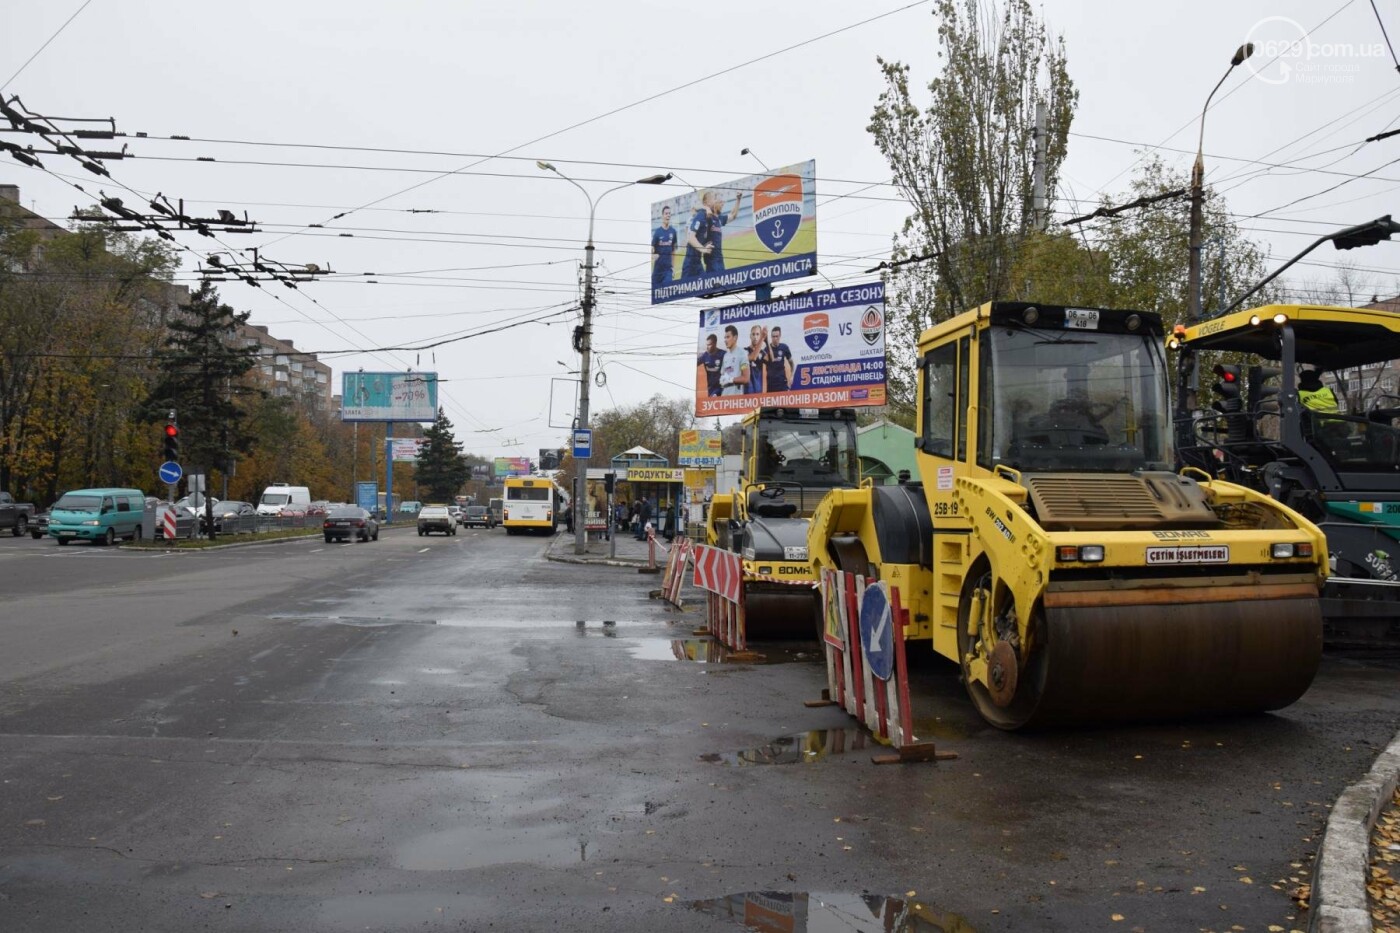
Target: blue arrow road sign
x: 877, y: 630
x: 170, y: 472
x: 583, y: 443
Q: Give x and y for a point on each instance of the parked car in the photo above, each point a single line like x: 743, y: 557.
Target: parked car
x: 15, y: 516
x: 478, y: 516
x: 436, y: 518
x: 232, y: 517
x: 349, y: 522
x: 39, y: 525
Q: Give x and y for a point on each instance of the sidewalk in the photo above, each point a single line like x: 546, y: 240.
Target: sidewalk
x: 629, y: 552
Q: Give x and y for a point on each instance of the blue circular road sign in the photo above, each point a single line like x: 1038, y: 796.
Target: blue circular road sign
x: 170, y: 472
x: 877, y: 630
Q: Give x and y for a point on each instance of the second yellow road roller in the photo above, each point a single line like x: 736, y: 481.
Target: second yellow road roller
x: 1048, y: 547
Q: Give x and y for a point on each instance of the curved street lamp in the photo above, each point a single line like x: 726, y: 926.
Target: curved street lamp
x: 580, y: 503
x: 1198, y: 175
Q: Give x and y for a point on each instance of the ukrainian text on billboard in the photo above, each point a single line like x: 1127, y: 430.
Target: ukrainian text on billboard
x: 735, y: 235
x: 821, y: 349
x: 388, y: 397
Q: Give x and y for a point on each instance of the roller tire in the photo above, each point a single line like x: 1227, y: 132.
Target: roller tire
x: 21, y: 527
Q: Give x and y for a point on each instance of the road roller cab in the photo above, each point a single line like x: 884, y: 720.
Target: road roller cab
x: 1051, y: 551
x: 791, y: 458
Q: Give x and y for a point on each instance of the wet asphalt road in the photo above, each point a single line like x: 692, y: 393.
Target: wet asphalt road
x: 416, y: 734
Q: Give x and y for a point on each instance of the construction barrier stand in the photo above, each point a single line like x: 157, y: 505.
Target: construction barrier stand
x: 721, y: 575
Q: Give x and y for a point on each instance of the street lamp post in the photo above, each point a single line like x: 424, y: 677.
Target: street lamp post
x: 585, y: 347
x: 1198, y: 174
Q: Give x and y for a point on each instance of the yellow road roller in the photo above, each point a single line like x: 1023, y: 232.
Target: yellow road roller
x: 1049, y: 548
x: 791, y: 459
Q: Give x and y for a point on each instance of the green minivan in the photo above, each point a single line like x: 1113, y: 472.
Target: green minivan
x: 98, y: 515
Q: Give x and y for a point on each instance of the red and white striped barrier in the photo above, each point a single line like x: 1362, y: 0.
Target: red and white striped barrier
x: 675, y: 572
x: 866, y: 669
x: 721, y: 575
x: 167, y: 523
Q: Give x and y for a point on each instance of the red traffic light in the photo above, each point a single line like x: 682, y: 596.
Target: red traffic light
x: 1226, y: 373
x: 172, y: 431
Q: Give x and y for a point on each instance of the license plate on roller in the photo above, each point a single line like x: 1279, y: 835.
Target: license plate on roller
x: 1189, y: 554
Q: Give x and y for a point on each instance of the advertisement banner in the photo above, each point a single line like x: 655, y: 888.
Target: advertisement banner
x: 700, y: 449
x: 367, y: 495
x: 735, y: 235
x: 512, y: 466
x: 388, y: 397
x: 405, y: 449
x: 816, y: 350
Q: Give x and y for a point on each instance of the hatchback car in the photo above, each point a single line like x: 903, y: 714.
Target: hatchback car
x: 348, y: 522
x: 478, y: 516
x: 436, y: 518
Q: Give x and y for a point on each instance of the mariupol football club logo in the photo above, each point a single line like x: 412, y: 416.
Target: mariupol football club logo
x: 815, y: 329
x: 871, y: 323
x: 777, y: 210
x: 709, y: 319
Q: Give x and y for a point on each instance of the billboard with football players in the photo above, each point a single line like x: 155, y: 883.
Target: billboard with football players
x: 735, y: 235
x: 815, y: 350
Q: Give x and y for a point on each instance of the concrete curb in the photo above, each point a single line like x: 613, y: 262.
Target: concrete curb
x: 1339, y: 900
x: 598, y: 561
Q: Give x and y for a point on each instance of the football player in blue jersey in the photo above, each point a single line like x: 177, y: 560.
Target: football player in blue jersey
x: 758, y: 346
x: 697, y: 239
x: 714, y: 260
x: 663, y: 251
x: 711, y: 360
x: 777, y: 362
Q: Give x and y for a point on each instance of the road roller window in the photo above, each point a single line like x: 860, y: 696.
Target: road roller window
x: 818, y: 453
x: 940, y: 401
x: 963, y: 377
x: 1077, y: 400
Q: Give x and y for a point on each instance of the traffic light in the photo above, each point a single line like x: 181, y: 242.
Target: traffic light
x: 609, y: 479
x: 1229, y: 403
x: 1227, y: 387
x: 172, y: 442
x: 1262, y: 396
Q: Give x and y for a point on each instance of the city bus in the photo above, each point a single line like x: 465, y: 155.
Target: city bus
x: 531, y: 504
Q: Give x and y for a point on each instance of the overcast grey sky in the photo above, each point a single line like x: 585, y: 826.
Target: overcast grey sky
x: 611, y: 91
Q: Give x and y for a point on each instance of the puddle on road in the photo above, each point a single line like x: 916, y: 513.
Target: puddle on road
x: 358, y: 621
x: 706, y: 650
x: 471, y: 847
x: 801, y: 748
x: 804, y: 912
x: 700, y: 650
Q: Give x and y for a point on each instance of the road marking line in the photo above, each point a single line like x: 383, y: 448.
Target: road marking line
x: 317, y: 550
x: 424, y: 550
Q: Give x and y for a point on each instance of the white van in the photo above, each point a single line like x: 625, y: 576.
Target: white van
x: 280, y: 495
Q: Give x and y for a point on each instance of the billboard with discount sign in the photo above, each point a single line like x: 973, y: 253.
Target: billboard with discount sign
x: 388, y: 397
x: 821, y: 349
